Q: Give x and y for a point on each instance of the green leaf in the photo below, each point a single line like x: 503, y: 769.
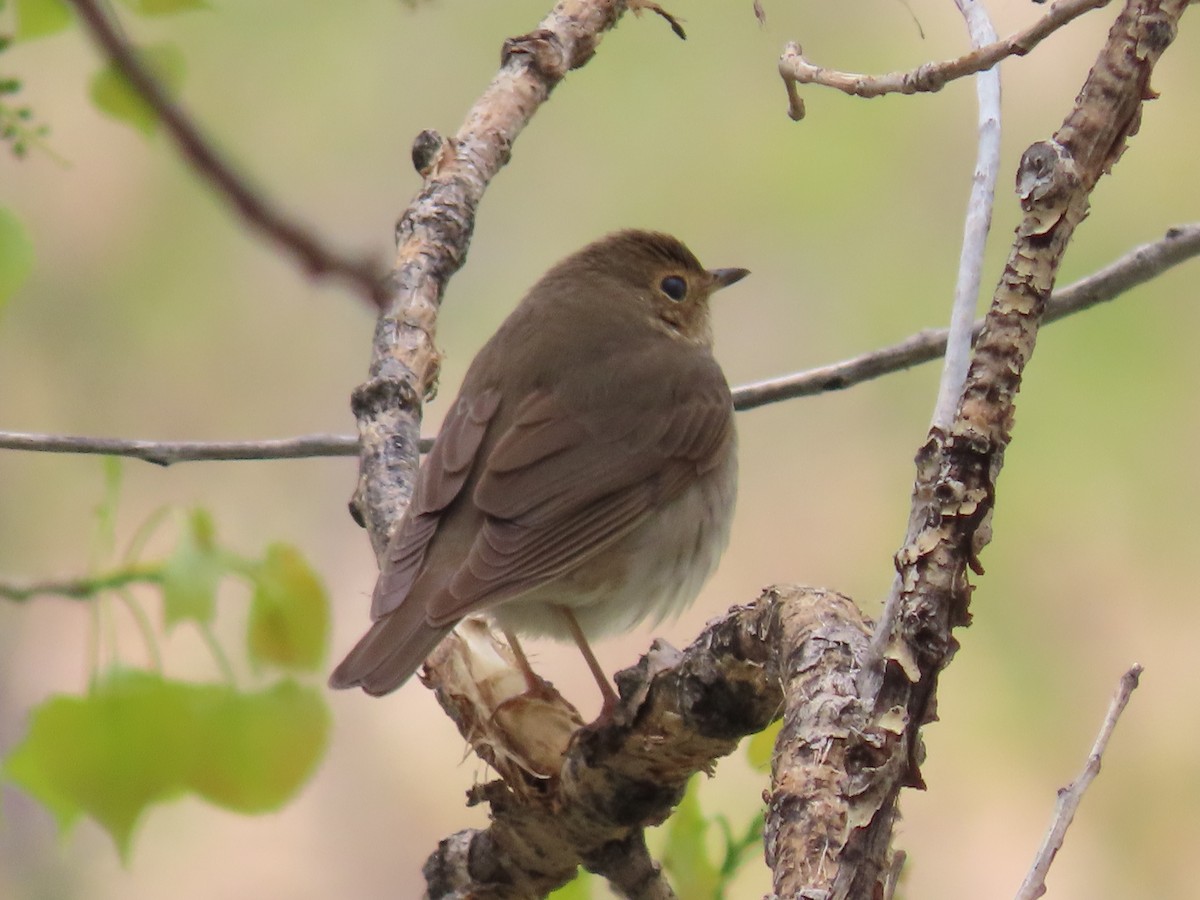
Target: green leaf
x: 191, y: 574
x: 113, y: 94
x: 163, y: 7
x: 761, y: 747
x: 138, y: 739
x: 258, y: 748
x: 579, y: 888
x: 685, y: 855
x: 16, y: 255
x: 38, y: 18
x: 108, y: 754
x: 289, y: 616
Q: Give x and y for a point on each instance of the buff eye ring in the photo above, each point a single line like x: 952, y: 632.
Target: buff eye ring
x: 674, y: 287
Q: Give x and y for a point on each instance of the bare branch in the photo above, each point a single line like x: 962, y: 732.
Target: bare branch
x: 432, y: 239
x: 1140, y: 265
x: 165, y: 453
x: 589, y: 801
x: 977, y: 225
x: 955, y: 488
x: 364, y: 274
x: 1071, y: 796
x: 795, y: 69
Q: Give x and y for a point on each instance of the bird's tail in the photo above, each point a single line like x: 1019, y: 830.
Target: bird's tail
x: 390, y: 652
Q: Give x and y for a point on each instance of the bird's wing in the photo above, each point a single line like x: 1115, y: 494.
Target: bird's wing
x: 558, y: 487
x: 438, y: 483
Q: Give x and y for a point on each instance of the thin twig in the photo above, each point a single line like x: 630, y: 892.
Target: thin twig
x: 364, y: 274
x: 1071, y: 796
x: 1140, y: 265
x: 977, y: 224
x: 795, y: 69
x: 82, y: 588
x: 165, y: 453
x: 1134, y: 268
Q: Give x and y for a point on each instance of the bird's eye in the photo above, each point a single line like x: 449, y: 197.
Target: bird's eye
x: 674, y: 287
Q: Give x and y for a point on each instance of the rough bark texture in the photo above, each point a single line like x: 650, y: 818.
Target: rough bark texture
x: 955, y: 487
x: 431, y: 245
x: 854, y: 710
x: 680, y: 712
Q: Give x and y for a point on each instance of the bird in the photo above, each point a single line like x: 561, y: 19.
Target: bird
x: 584, y: 478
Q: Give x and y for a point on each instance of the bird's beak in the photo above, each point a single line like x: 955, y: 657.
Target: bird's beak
x: 723, y: 278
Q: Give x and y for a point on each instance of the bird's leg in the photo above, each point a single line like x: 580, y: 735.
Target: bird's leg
x: 533, y: 684
x: 611, y: 700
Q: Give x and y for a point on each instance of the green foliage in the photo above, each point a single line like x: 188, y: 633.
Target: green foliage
x: 686, y: 856
x: 137, y: 738
x: 578, y: 889
x: 17, y: 126
x: 114, y: 96
x: 191, y: 573
x: 163, y: 7
x: 16, y: 255
x: 761, y: 747
x: 289, y: 617
x: 39, y: 18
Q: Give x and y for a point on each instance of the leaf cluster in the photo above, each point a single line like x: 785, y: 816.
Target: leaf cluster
x: 137, y: 737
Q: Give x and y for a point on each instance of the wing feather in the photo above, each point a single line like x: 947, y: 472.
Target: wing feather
x: 439, y: 482
x: 558, y: 487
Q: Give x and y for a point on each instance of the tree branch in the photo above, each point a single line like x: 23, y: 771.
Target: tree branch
x: 166, y: 453
x: 82, y: 588
x: 432, y: 239
x: 955, y: 488
x: 571, y: 796
x: 363, y: 274
x: 1071, y: 796
x: 795, y: 69
x: 977, y: 224
x: 1140, y: 265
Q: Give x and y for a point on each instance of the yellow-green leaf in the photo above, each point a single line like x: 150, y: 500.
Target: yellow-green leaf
x: 260, y: 747
x: 113, y: 94
x: 289, y: 616
x: 761, y: 747
x: 579, y: 888
x: 137, y: 739
x: 109, y: 754
x: 164, y: 7
x: 685, y: 855
x: 190, y: 576
x: 16, y: 255
x: 38, y: 18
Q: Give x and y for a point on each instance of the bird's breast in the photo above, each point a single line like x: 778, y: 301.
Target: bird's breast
x: 653, y: 572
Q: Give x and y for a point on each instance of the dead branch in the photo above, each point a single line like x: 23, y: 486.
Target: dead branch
x: 431, y: 245
x: 976, y: 225
x: 1142, y: 264
x: 588, y: 801
x: 1071, y: 796
x: 795, y: 69
x: 955, y: 488
x: 364, y: 273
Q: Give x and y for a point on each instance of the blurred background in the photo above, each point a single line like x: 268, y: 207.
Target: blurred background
x: 151, y: 313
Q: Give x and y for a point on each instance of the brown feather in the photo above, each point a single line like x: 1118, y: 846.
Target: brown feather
x: 595, y: 407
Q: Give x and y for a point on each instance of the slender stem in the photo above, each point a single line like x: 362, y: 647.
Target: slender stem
x: 364, y: 274
x: 1140, y: 265
x: 142, y: 620
x: 977, y: 224
x: 214, y: 647
x: 83, y: 588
